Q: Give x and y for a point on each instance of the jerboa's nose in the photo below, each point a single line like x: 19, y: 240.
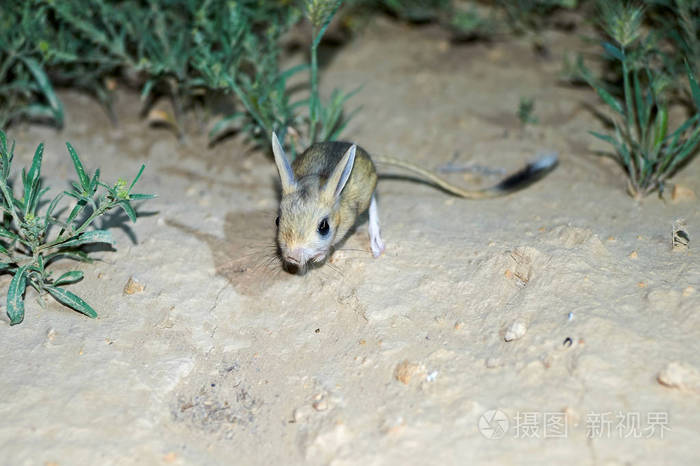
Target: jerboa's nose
x: 295, y: 256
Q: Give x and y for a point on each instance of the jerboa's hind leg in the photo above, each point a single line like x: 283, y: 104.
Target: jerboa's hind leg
x: 375, y: 238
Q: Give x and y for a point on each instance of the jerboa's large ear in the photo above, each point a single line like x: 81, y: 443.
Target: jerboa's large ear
x: 285, y: 170
x: 341, y: 173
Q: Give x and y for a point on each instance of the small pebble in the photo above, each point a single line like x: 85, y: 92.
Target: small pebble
x: 515, y: 331
x: 302, y: 413
x: 134, y: 286
x: 681, y: 376
x: 680, y: 238
x: 405, y: 370
x: 320, y: 405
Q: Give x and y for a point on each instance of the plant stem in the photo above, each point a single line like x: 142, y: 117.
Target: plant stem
x: 64, y: 238
x: 313, y: 103
x: 630, y: 114
x: 10, y: 202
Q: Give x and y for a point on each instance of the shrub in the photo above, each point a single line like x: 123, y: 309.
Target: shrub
x: 27, y: 244
x: 643, y: 145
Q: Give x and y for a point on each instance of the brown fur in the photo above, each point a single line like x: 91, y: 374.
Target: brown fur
x: 316, y: 164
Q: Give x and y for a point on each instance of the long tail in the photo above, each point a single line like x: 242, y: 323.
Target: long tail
x: 518, y: 180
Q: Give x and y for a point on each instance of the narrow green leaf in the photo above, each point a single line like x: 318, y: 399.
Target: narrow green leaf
x: 604, y: 137
x: 339, y: 129
x: 18, y: 203
x: 32, y: 179
x: 52, y: 207
x: 139, y: 197
x: 610, y: 100
x: 95, y: 181
x: 326, y: 23
x: 147, y: 88
x: 688, y: 147
x: 80, y: 256
x: 623, y: 150
x: 642, y: 111
x: 675, y: 136
x: 76, y: 210
x: 45, y: 85
x: 79, y: 169
x: 613, y: 51
x: 15, y: 300
x: 286, y: 74
x: 694, y: 87
x: 38, y: 111
x: 138, y: 175
x: 224, y: 125
x: 128, y: 209
x: 94, y: 236
x: 71, y: 300
x: 5, y: 233
x: 68, y: 278
x: 660, y: 126
x: 4, y: 250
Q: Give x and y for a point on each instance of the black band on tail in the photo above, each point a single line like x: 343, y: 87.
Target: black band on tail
x: 528, y: 175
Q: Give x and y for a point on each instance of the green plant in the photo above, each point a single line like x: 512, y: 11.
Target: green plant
x: 27, y: 245
x: 182, y: 49
x: 266, y: 97
x: 329, y: 117
x: 642, y: 143
x: 248, y: 66
x: 186, y: 50
x: 679, y: 22
x: 25, y: 88
x: 526, y: 111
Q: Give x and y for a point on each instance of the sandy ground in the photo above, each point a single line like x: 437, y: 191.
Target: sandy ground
x: 226, y: 359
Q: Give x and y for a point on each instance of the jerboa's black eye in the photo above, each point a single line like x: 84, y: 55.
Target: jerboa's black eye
x: 277, y: 221
x: 323, y: 227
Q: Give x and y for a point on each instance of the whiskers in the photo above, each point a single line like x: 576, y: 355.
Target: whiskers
x: 335, y: 268
x: 261, y: 262
x: 254, y: 270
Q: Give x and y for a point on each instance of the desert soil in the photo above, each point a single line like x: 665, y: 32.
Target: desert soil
x: 223, y: 358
